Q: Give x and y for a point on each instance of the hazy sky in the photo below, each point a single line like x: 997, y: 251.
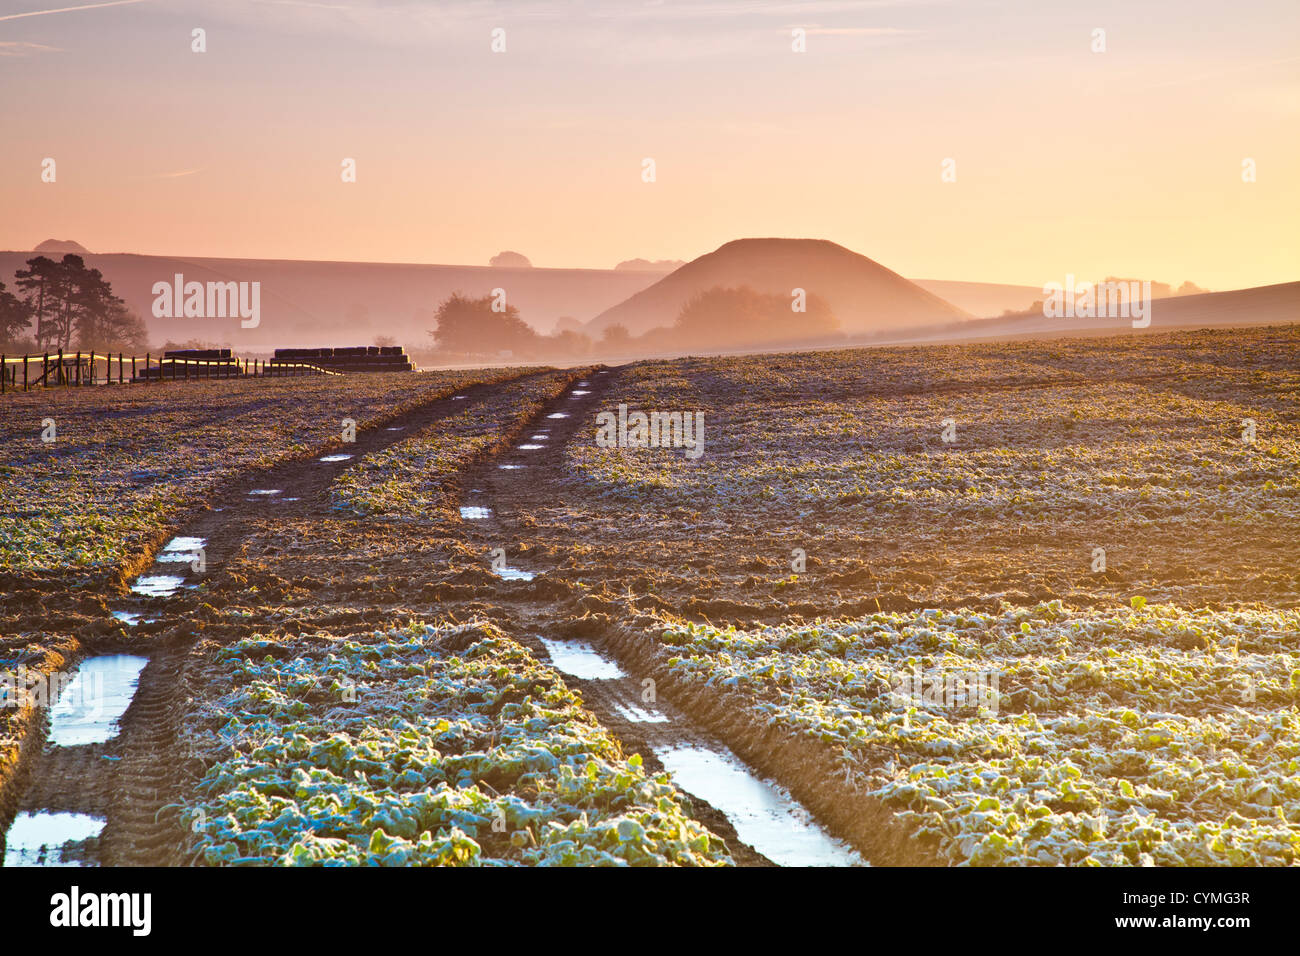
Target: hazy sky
x: 1067, y: 161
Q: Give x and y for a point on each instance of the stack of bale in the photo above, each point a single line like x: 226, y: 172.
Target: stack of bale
x: 203, y: 363
x: 360, y: 358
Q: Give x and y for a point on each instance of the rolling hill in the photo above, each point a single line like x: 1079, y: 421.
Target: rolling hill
x: 865, y: 296
x: 1264, y: 305
x: 313, y: 303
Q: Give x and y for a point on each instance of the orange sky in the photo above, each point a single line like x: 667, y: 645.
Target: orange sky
x: 1124, y: 162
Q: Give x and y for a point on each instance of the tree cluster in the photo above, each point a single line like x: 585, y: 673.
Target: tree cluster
x: 59, y: 303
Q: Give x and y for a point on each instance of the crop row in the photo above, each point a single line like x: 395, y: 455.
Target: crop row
x: 414, y: 478
x: 1143, y: 735
x: 427, y: 745
x: 1115, y: 452
x: 120, y: 465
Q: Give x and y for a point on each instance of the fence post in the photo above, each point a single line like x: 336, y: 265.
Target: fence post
x: 25, y: 364
x: 45, y: 379
x: 4, y: 372
x: 60, y: 369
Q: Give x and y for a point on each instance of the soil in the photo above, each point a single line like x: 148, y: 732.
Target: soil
x: 283, y: 566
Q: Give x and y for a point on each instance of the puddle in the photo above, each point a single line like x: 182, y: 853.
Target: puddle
x: 157, y: 585
x: 636, y: 715
x: 476, y: 491
x: 395, y: 428
x: 187, y: 545
x: 334, y: 458
x: 131, y: 619
x: 513, y: 574
x: 583, y: 384
x: 176, y: 557
x: 265, y: 491
x: 579, y: 391
x: 511, y: 467
x: 764, y: 815
x: 475, y: 512
x: 38, y: 839
x: 558, y: 415
x: 529, y: 447
x: 181, y: 550
x: 89, y: 708
x: 581, y: 660
x: 457, y: 398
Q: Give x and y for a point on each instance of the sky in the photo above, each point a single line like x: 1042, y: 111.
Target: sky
x: 1067, y: 160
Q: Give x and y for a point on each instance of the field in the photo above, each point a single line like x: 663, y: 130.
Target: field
x: 1025, y: 604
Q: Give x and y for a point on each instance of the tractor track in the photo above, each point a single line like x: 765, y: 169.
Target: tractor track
x: 136, y: 780
x: 632, y: 707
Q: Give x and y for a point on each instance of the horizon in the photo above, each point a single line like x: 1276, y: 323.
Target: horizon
x: 562, y: 268
x: 235, y: 152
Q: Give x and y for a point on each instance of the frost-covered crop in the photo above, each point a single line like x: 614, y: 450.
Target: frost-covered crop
x: 129, y: 462
x: 392, y: 749
x: 415, y: 477
x: 1144, y: 735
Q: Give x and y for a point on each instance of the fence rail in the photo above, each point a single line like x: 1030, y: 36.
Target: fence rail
x: 54, y: 369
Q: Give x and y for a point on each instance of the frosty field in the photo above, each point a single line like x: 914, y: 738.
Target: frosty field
x: 998, y: 605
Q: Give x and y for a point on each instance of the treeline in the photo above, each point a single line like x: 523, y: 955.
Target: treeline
x: 471, y: 329
x: 61, y: 304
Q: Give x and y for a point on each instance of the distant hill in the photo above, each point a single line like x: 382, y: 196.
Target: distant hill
x: 1264, y: 305
x: 646, y: 265
x: 864, y: 295
x: 988, y: 299
x: 61, y: 247
x: 308, y: 303
x: 983, y: 298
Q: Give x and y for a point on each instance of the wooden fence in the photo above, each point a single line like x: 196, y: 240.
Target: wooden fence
x: 69, y: 369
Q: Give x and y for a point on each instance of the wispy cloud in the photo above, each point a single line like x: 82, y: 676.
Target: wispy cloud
x: 174, y: 175
x: 313, y: 6
x: 857, y: 31
x: 23, y: 48
x: 84, y: 6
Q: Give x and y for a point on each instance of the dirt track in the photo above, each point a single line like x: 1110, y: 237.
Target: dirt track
x: 136, y: 779
x: 295, y: 552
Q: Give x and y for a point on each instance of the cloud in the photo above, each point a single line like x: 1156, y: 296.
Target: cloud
x: 857, y: 31
x: 313, y: 6
x: 175, y: 175
x: 669, y: 29
x: 84, y: 6
x: 23, y: 48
